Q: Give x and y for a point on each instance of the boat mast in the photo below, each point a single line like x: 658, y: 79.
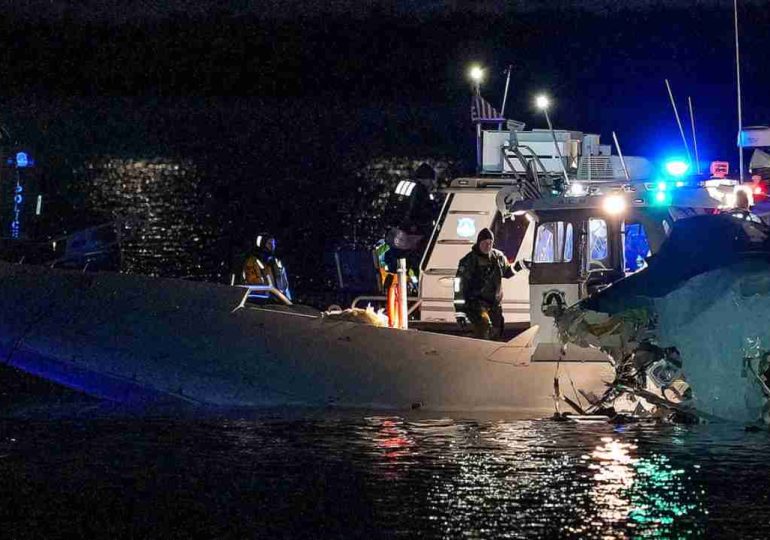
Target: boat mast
x: 620, y: 155
x: 678, y: 122
x: 543, y: 103
x: 477, y: 74
x: 738, y: 80
x: 694, y: 139
x: 505, y: 94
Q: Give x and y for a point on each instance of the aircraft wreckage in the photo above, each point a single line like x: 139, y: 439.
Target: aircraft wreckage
x: 690, y: 333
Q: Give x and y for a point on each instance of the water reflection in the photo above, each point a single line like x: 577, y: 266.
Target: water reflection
x: 470, y: 478
x: 613, y: 478
x: 386, y: 476
x: 393, y: 439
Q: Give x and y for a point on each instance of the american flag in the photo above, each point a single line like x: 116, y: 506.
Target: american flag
x: 482, y: 111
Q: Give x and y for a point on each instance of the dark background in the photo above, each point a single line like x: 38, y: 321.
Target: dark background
x: 282, y: 105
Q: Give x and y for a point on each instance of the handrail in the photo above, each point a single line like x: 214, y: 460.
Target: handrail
x: 82, y: 256
x: 417, y: 302
x: 268, y: 289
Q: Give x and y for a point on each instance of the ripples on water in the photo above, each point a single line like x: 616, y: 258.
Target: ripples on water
x: 378, y: 476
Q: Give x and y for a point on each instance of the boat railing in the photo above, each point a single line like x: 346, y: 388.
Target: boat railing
x: 265, y: 291
x: 416, y: 302
x: 86, y: 258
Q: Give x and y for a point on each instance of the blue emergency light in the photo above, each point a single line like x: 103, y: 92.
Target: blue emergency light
x: 662, y: 198
x: 21, y: 160
x: 677, y: 167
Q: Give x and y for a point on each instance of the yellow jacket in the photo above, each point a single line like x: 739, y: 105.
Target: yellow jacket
x: 255, y: 272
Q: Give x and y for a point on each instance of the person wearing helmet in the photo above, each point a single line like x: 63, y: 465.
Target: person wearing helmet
x: 398, y: 244
x: 262, y: 267
x: 478, y: 287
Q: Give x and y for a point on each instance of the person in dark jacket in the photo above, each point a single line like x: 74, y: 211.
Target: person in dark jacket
x: 478, y: 287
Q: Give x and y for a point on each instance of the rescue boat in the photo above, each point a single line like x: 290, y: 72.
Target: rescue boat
x: 134, y: 338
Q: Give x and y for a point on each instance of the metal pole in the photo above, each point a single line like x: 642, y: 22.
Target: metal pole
x: 556, y: 144
x: 477, y: 92
x: 403, y: 313
x: 620, y: 154
x: 738, y: 79
x: 678, y: 122
x: 505, y: 94
x: 339, y: 269
x: 694, y: 138
x: 478, y: 147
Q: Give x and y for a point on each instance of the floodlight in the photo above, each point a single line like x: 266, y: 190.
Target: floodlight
x: 614, y: 204
x: 476, y: 74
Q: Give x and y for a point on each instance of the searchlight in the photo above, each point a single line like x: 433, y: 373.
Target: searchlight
x: 542, y: 102
x: 476, y: 73
x: 614, y: 204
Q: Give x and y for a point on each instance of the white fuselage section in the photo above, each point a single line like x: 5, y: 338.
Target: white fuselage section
x: 136, y: 339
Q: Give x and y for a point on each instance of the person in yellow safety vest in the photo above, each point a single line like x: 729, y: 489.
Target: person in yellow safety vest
x: 395, y: 246
x: 262, y: 267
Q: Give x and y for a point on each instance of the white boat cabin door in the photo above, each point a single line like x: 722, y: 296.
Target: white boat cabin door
x: 573, y: 254
x: 465, y: 213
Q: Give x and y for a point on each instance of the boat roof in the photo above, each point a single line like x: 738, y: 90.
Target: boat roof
x: 630, y: 196
x: 467, y: 183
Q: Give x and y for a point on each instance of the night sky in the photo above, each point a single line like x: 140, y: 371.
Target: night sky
x: 291, y: 97
x: 603, y: 64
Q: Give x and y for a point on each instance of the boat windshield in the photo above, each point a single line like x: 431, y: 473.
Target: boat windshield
x: 637, y: 248
x: 554, y: 242
x: 509, y: 234
x: 597, y: 244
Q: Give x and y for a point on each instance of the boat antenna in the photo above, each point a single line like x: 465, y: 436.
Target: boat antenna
x: 505, y: 93
x: 678, y: 121
x: 620, y: 154
x: 694, y: 138
x: 738, y: 80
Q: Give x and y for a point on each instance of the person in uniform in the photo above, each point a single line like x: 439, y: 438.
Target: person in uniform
x: 398, y: 244
x: 478, y: 287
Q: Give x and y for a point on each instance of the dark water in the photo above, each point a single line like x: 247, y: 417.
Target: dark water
x: 96, y: 475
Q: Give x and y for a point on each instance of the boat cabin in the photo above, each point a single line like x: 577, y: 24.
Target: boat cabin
x: 583, y: 244
x: 514, y: 164
x: 566, y: 247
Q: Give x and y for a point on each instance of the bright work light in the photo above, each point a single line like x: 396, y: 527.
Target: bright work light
x: 476, y: 73
x: 614, y: 204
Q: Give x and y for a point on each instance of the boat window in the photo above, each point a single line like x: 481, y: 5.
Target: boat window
x: 509, y: 234
x: 637, y: 248
x: 597, y: 243
x: 554, y: 242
